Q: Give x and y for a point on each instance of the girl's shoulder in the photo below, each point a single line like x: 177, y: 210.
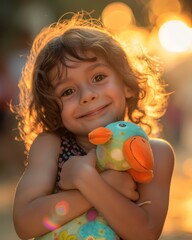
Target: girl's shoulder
x: 162, y: 146
x: 46, y: 141
x: 164, y: 155
x: 47, y: 136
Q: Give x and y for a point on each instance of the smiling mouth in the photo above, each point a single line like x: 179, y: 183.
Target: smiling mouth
x: 93, y: 112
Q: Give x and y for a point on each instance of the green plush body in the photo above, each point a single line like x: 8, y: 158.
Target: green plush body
x: 110, y: 154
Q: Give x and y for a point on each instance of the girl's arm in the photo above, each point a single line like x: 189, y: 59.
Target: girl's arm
x: 128, y: 219
x: 34, y: 204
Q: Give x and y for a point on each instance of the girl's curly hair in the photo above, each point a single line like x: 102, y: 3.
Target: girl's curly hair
x: 38, y: 109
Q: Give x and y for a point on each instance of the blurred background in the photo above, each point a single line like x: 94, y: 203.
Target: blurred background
x: 163, y: 27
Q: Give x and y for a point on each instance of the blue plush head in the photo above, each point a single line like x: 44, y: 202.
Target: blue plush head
x: 122, y: 146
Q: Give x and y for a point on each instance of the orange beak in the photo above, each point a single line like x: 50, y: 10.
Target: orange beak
x: 139, y: 155
x: 100, y: 135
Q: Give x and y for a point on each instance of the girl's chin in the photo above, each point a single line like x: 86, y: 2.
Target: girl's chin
x: 100, y: 124
x: 85, y: 128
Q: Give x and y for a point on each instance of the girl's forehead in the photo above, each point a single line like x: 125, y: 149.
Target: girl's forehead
x: 61, y: 70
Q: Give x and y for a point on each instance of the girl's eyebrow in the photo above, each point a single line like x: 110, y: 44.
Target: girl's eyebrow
x: 96, y: 65
x: 58, y: 82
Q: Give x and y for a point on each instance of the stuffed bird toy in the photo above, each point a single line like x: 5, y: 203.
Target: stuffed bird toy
x: 121, y: 146
x: 124, y: 146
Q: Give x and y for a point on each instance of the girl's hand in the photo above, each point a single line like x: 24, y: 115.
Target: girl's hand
x: 74, y: 168
x: 122, y: 182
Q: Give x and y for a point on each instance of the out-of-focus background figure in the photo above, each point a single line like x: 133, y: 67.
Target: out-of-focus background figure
x: 163, y: 28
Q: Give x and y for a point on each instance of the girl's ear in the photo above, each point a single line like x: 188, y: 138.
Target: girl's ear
x: 128, y: 92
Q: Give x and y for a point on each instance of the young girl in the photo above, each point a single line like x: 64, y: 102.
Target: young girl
x: 79, y: 77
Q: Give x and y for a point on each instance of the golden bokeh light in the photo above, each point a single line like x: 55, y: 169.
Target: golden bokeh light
x: 186, y: 167
x: 157, y: 8
x: 135, y: 36
x: 172, y: 16
x: 134, y: 39
x: 175, y: 36
x: 188, y: 214
x: 117, y: 16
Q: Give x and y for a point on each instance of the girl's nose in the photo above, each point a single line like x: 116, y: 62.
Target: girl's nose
x: 87, y: 95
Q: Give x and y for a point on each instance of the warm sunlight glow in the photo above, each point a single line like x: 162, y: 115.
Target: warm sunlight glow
x: 134, y: 39
x: 175, y: 36
x: 135, y: 36
x: 187, y: 166
x: 117, y: 16
x: 187, y: 221
x: 157, y: 8
x: 180, y: 206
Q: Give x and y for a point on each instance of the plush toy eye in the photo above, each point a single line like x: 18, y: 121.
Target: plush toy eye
x: 122, y: 125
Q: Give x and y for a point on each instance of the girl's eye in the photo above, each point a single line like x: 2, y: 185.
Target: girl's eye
x: 68, y: 92
x: 98, y: 78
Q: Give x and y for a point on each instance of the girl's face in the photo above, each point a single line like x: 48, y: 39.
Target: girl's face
x: 91, y: 94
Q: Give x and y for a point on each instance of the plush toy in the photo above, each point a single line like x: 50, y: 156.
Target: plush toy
x: 124, y: 146
x: 121, y: 146
x: 90, y: 225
